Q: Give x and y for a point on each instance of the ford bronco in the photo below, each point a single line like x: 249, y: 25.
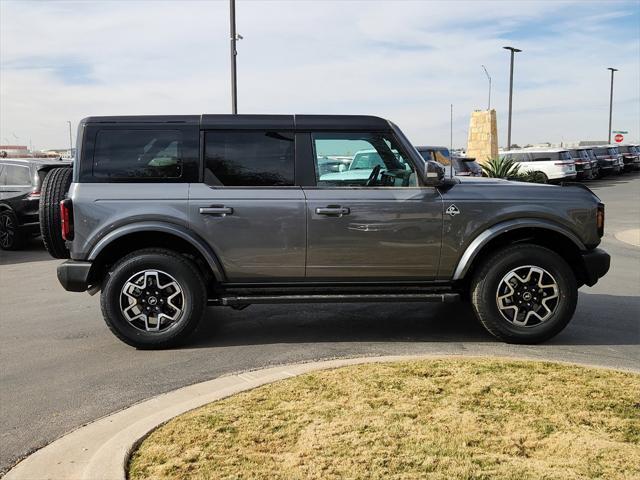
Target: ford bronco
x: 166, y: 215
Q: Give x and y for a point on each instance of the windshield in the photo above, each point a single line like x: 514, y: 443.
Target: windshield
x: 565, y: 156
x: 591, y: 155
x: 612, y: 151
x: 366, y: 161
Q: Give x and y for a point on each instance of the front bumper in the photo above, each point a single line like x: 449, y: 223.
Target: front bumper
x: 596, y: 264
x: 73, y: 275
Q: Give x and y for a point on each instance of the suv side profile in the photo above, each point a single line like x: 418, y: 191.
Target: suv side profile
x: 168, y: 215
x: 20, y: 184
x: 554, y: 165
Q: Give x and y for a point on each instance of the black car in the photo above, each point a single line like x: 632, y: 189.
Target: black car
x: 462, y: 166
x: 609, y: 160
x: 630, y: 157
x: 20, y: 183
x: 586, y: 169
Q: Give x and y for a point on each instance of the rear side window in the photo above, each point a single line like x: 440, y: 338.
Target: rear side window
x: 138, y: 154
x: 17, y: 175
x: 249, y: 159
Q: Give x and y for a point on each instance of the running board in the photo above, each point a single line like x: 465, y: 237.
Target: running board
x: 335, y: 298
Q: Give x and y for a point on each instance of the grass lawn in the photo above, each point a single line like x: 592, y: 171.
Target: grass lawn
x: 434, y: 419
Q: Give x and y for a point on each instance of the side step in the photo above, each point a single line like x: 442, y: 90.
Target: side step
x: 335, y: 298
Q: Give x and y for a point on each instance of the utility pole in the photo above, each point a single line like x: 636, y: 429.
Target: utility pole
x: 513, y: 52
x: 611, y: 103
x: 488, y: 77
x: 70, y: 140
x: 234, y: 53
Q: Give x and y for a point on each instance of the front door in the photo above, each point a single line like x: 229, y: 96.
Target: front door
x: 248, y: 208
x: 369, y: 217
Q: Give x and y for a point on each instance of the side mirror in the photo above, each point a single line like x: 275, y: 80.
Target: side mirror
x: 433, y: 172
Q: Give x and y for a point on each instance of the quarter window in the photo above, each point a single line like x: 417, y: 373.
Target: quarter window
x: 17, y: 175
x: 249, y: 159
x: 365, y: 159
x: 138, y: 154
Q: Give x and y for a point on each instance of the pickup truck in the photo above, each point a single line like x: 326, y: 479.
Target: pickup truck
x: 167, y: 215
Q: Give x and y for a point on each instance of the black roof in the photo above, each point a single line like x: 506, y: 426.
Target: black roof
x: 228, y: 121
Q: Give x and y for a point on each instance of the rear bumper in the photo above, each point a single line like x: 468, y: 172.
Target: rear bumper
x: 596, y: 264
x: 73, y: 275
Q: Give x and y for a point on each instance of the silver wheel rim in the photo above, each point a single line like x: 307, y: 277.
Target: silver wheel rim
x: 7, y: 231
x: 152, y: 301
x: 527, y: 296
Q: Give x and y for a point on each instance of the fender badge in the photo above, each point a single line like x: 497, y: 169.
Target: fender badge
x: 452, y: 210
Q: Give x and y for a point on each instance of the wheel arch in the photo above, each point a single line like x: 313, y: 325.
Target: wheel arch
x: 131, y: 237
x: 540, y: 232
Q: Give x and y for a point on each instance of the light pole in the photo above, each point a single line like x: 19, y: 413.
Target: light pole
x: 513, y: 52
x: 488, y: 77
x: 611, y: 103
x: 234, y: 53
x: 70, y: 140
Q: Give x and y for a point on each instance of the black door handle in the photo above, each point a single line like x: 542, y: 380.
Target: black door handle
x: 333, y: 211
x: 221, y: 211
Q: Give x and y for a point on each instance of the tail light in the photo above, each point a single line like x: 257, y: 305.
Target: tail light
x: 600, y: 219
x: 66, y: 219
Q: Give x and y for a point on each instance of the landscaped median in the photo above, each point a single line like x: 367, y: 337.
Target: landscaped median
x: 455, y: 418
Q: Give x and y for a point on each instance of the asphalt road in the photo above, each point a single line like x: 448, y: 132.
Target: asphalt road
x: 60, y: 367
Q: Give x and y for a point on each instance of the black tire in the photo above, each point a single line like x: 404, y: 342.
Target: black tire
x: 543, y: 177
x: 186, y: 275
x: 54, y: 189
x: 487, y: 279
x: 11, y: 237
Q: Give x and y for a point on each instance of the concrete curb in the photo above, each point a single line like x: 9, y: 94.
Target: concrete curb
x: 100, y: 450
x: 632, y: 237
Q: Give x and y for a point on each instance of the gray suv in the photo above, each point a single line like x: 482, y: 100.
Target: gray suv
x: 168, y: 215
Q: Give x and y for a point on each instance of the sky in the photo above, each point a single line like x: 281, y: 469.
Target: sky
x: 407, y: 61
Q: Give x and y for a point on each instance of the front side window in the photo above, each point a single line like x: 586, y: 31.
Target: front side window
x: 370, y: 159
x: 249, y: 159
x: 17, y: 176
x: 138, y: 154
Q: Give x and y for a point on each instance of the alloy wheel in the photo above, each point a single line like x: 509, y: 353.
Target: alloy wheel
x: 7, y: 231
x: 152, y: 301
x: 527, y: 296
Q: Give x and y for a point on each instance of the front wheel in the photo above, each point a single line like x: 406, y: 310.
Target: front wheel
x: 11, y: 237
x: 153, y: 298
x: 524, y: 294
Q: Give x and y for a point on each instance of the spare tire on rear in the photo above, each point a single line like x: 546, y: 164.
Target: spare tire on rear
x: 54, y: 189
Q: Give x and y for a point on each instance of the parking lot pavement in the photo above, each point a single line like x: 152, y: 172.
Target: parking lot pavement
x: 60, y: 367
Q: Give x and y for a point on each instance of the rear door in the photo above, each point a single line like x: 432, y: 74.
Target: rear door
x: 373, y: 220
x: 248, y: 207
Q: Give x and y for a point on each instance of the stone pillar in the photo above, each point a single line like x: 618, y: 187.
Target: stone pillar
x: 483, y: 135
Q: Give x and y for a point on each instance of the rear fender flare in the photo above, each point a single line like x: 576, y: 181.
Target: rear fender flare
x: 199, y: 244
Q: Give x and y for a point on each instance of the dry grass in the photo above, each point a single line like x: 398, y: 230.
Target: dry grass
x: 440, y: 419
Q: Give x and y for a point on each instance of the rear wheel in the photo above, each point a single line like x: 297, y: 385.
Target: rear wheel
x: 153, y: 298
x: 54, y: 189
x: 11, y: 238
x: 524, y: 294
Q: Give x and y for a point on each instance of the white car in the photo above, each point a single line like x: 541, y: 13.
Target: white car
x: 555, y: 164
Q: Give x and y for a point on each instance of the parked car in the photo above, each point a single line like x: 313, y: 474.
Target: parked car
x: 609, y: 159
x: 630, y: 157
x: 20, y: 184
x: 166, y: 215
x: 584, y: 164
x: 462, y: 166
x: 554, y: 165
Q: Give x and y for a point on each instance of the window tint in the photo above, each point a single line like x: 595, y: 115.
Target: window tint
x: 565, y: 156
x: 545, y: 156
x: 612, y: 151
x: 368, y: 159
x: 249, y: 159
x: 17, y: 175
x: 138, y: 154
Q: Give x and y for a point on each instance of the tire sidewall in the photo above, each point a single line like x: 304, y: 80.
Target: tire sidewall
x: 188, y: 279
x: 539, y: 257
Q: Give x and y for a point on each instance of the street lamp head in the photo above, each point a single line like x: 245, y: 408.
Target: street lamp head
x: 612, y: 69
x: 513, y: 49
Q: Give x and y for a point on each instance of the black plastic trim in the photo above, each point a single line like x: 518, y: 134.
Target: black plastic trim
x: 74, y: 275
x: 596, y: 265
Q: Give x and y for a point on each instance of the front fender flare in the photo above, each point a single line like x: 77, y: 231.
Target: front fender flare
x: 179, y: 231
x: 470, y: 253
